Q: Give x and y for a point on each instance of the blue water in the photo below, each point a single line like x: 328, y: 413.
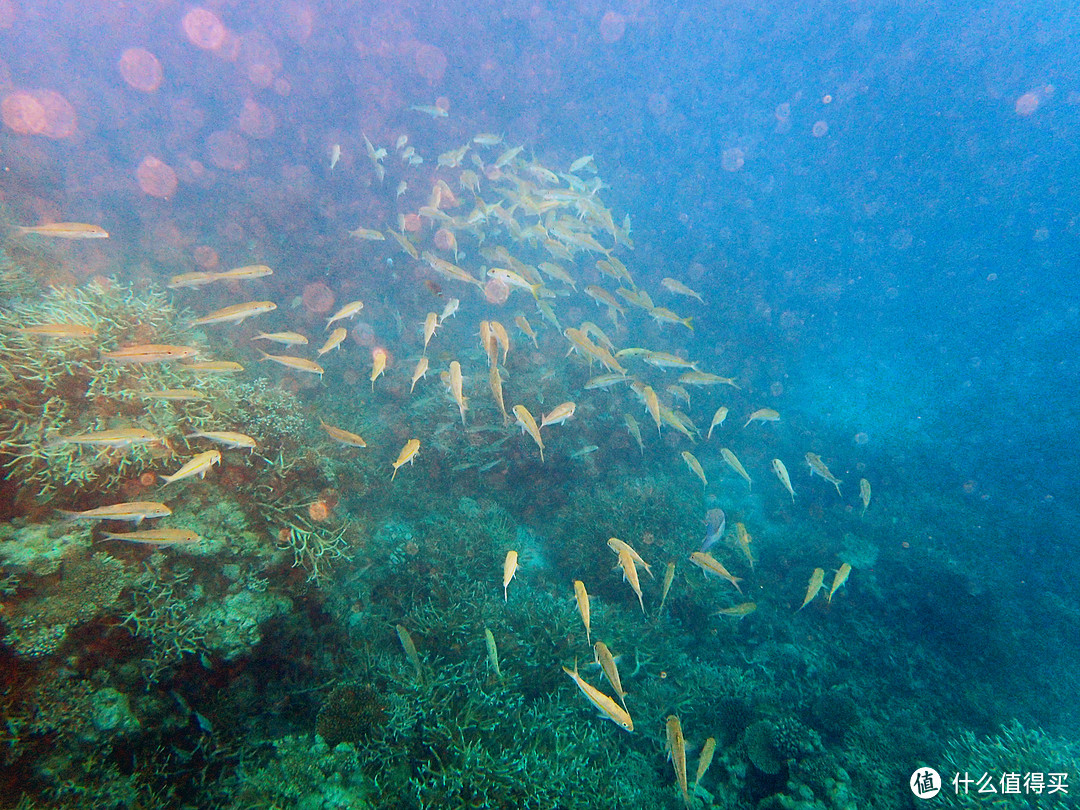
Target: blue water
x: 878, y: 204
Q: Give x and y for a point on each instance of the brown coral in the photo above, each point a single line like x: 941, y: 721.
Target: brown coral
x: 352, y: 711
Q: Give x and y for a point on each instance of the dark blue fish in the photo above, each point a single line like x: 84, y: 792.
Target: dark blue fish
x: 715, y: 522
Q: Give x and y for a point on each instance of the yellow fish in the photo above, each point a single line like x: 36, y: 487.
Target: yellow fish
x: 237, y: 313
x: 816, y: 580
x: 559, y: 414
x: 705, y: 759
x: 718, y: 419
x: 368, y: 234
x: 677, y: 287
x: 378, y: 364
x: 744, y: 609
x: 607, y: 663
x: 333, y: 341
x: 228, y: 438
x: 528, y: 425
x: 763, y: 415
x: 842, y: 574
x: 676, y: 746
x: 450, y: 309
x: 131, y: 510
x: 495, y: 381
x: 407, y: 454
x: 59, y: 330
x: 198, y: 465
x: 409, y: 647
x: 733, y: 462
x: 244, y: 273
x: 652, y: 404
x: 709, y: 564
x: 125, y: 437
x: 431, y: 323
x: 510, y: 566
x: 608, y: 708
x: 456, y: 383
x: 350, y: 310
x: 704, y: 378
x: 191, y: 280
x: 669, y: 577
x: 150, y: 353
x: 284, y: 338
x: 618, y: 546
x: 66, y: 230
x: 635, y: 431
x: 864, y: 493
x: 582, y: 597
x: 295, y: 363
x: 629, y: 569
x: 174, y: 394
x: 695, y: 466
x: 343, y: 436
x: 418, y: 372
x: 818, y: 466
x: 743, y: 538
x: 213, y: 366
x: 501, y: 336
x: 782, y: 474
x: 156, y: 537
x: 524, y: 325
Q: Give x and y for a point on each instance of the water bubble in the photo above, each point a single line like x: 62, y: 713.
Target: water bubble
x: 141, y: 69
x: 156, y: 178
x: 612, y: 27
x: 820, y: 129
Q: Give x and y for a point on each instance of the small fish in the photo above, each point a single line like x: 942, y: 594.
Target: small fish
x: 418, y: 372
x: 763, y: 415
x: 405, y: 244
x: 493, y: 652
x: 782, y: 474
x: 584, y: 162
x: 839, y: 579
x: 709, y: 564
x: 507, y: 156
x: 450, y: 309
x: 125, y: 437
x: 665, y: 360
x: 695, y: 466
x: 634, y: 431
x: 348, y: 311
x: 191, y: 280
x: 237, y: 313
x: 434, y: 112
x: 559, y: 414
x: 495, y: 381
x: 367, y: 234
x: 818, y: 466
x: 512, y: 279
x: 343, y: 436
x: 431, y: 323
x: 245, y: 273
x: 669, y: 577
x: 501, y: 337
x: 617, y: 545
x: 630, y: 575
x: 605, y: 381
x: 65, y: 230
x: 59, y: 330
x: 582, y: 597
x: 335, y: 155
x: 156, y: 537
x: 524, y: 325
x: 510, y: 566
x: 664, y: 315
x: 675, y: 286
x: 704, y: 759
x: 742, y: 539
x: 379, y: 356
x: 407, y: 454
x: 528, y: 425
x: 652, y: 404
x: 733, y: 462
x: 715, y: 523
x: 295, y: 363
x: 332, y: 342
x: 137, y: 511
x: 587, y: 450
x: 149, y: 353
x: 608, y: 708
x: 487, y: 139
x: 284, y: 338
x: 740, y: 610
x: 174, y: 394
x: 197, y: 465
x: 225, y: 437
x: 864, y: 493
x: 456, y: 383
x: 611, y: 671
x: 705, y: 378
x: 676, y: 747
x: 402, y: 187
x: 410, y: 651
x: 213, y: 366
x: 817, y: 579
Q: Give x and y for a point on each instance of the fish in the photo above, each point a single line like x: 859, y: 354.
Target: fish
x: 405, y: 244
x: 379, y: 357
x: 605, y: 381
x: 559, y: 414
x: 666, y: 360
x: 191, y: 280
x: 409, y: 647
x: 763, y: 415
x: 149, y: 353
x: 695, y: 466
x: 669, y: 577
x: 675, y: 286
x: 664, y: 315
x: 348, y: 311
x: 495, y: 381
x: 740, y: 610
x: 839, y: 579
x: 156, y: 537
x: 65, y: 230
x: 418, y: 372
x: 742, y: 540
x: 510, y: 566
x: 652, y: 404
x: 333, y: 341
x: 407, y: 454
x: 524, y: 325
x: 367, y: 234
x: 493, y: 652
x: 431, y: 323
x: 284, y: 338
x: 617, y: 545
x: 818, y: 466
x: 709, y: 564
x: 124, y: 437
x: 705, y: 378
x: 197, y: 465
x: 295, y: 363
x: 228, y: 438
x: 704, y: 759
x: 508, y: 156
x: 245, y: 273
x: 335, y: 155
x: 587, y: 450
x: 611, y: 671
x: 733, y: 462
x: 456, y: 382
x: 59, y: 330
x: 343, y: 436
x: 864, y: 493
x: 782, y: 474
x: 426, y: 109
x: 582, y: 597
x: 450, y: 309
x: 502, y: 338
x: 635, y: 431
x: 449, y: 269
x: 630, y: 575
x: 817, y: 579
x: 213, y: 366
x: 584, y: 162
x: 237, y: 313
x: 676, y: 748
x: 174, y: 394
x: 137, y: 511
x: 512, y: 279
x: 487, y: 139
x: 528, y: 425
x: 607, y: 707
x: 715, y: 523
